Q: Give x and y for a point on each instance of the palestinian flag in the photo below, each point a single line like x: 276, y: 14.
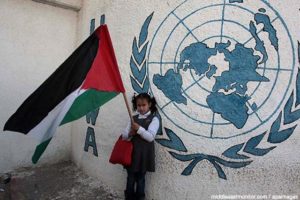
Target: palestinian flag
x: 85, y: 81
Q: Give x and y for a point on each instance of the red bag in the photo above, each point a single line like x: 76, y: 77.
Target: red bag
x: 121, y: 153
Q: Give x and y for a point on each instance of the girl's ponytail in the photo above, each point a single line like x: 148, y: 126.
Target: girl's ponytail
x: 133, y: 101
x: 153, y: 107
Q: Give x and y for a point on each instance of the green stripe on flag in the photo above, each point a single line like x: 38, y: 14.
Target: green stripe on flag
x: 87, y: 102
x: 39, y: 150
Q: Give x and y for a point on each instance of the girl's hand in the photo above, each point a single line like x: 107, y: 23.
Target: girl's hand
x: 135, y: 126
x: 132, y: 133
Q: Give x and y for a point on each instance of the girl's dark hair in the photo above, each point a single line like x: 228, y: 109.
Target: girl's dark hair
x: 147, y: 97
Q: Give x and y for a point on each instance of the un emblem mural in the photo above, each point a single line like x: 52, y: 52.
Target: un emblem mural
x: 221, y: 70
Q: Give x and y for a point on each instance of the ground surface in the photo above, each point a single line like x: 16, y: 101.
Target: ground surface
x: 62, y: 181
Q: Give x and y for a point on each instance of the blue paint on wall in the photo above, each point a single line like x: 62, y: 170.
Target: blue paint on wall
x: 181, y: 22
x: 140, y: 88
x: 262, y: 10
x: 242, y: 69
x: 268, y: 27
x: 289, y: 115
x: 232, y: 107
x: 160, y: 129
x: 215, y: 161
x: 174, y: 141
x: 90, y: 141
x: 276, y: 136
x: 254, y: 107
x: 212, y: 70
x: 139, y: 55
x: 299, y: 52
x: 139, y: 73
x: 170, y: 84
x: 91, y: 117
x: 236, y: 1
x: 92, y: 26
x: 102, y: 19
x: 139, y: 81
x: 298, y: 79
x: 259, y: 46
x: 144, y: 31
x: 251, y: 146
x: 195, y: 57
x: 232, y: 152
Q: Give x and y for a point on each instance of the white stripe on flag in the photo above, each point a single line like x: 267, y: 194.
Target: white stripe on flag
x: 47, y: 127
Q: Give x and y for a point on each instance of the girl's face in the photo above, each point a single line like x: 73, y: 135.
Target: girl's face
x: 143, y: 105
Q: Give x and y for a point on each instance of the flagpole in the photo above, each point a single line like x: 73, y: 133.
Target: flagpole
x: 127, y: 106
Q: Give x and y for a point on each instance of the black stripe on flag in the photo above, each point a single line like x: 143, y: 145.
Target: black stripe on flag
x: 67, y: 78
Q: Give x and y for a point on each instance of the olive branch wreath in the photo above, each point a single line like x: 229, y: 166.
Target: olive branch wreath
x: 238, y: 159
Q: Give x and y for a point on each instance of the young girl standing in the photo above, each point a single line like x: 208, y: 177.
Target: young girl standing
x: 142, y: 133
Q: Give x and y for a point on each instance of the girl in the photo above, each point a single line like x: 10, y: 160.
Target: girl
x: 142, y: 133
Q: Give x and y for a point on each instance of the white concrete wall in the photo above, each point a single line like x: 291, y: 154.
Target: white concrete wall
x: 35, y: 39
x: 278, y: 172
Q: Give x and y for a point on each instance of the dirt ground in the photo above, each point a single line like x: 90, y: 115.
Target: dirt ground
x: 61, y: 181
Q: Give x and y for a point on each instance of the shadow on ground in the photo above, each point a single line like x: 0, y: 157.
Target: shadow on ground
x: 62, y: 181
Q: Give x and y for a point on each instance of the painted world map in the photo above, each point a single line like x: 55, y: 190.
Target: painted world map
x: 228, y: 95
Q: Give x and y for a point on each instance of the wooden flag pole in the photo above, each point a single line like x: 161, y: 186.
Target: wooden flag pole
x: 128, y: 107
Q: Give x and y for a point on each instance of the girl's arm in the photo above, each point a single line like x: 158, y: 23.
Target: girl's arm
x: 149, y: 134
x: 126, y: 131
